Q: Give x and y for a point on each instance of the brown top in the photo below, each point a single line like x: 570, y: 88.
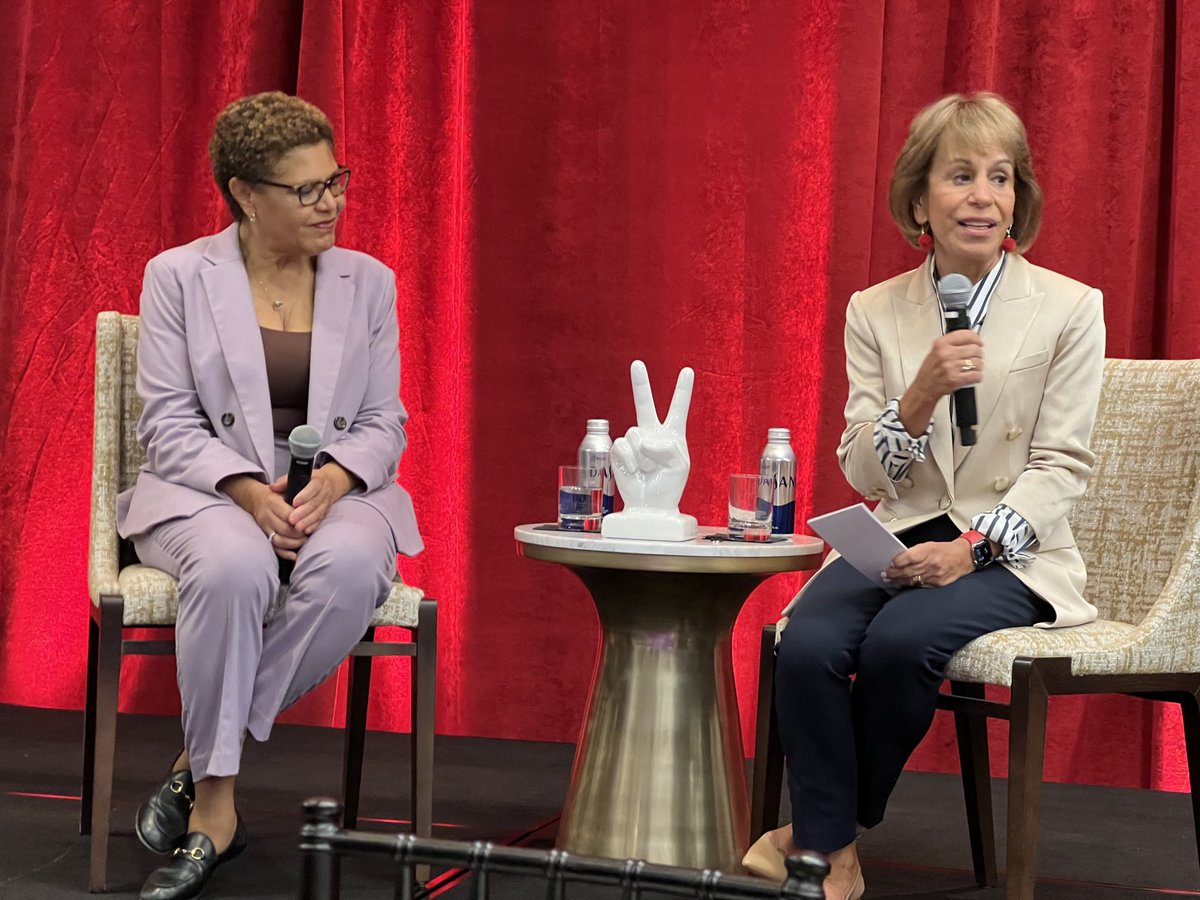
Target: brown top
x: 287, y: 354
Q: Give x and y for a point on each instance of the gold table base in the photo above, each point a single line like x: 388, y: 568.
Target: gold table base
x: 660, y: 772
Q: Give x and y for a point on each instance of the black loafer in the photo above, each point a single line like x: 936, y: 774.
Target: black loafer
x: 191, y: 866
x: 162, y: 820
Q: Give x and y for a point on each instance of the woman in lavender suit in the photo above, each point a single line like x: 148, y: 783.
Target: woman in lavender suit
x: 244, y: 335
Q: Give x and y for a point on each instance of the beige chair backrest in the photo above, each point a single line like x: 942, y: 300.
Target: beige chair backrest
x: 1143, y: 491
x: 118, y: 406
x: 116, y: 453
x: 132, y: 455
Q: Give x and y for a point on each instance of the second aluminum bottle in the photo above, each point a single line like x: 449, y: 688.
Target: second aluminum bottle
x: 594, y: 453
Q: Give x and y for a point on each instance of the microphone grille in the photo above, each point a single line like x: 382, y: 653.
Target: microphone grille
x: 955, y: 291
x: 304, y: 441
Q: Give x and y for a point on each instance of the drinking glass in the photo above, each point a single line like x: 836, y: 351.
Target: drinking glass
x: 750, y: 502
x: 580, y: 497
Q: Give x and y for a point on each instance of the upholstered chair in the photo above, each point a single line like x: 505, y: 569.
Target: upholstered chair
x: 126, y: 595
x: 1138, y: 527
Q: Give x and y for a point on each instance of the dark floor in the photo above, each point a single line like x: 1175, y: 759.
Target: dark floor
x: 1097, y: 843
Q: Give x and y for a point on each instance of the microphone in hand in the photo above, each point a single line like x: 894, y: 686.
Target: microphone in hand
x: 955, y: 293
x: 304, y: 442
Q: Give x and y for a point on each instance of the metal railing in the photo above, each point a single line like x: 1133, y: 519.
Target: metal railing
x: 323, y: 843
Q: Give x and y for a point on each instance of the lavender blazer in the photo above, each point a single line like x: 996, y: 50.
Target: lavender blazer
x: 203, y: 379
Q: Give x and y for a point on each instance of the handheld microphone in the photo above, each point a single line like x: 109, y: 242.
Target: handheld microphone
x: 955, y: 293
x: 304, y: 442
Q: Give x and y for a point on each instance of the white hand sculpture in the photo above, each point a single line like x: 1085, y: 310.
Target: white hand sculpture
x: 651, y: 465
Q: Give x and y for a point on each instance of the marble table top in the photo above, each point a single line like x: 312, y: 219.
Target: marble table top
x: 797, y: 545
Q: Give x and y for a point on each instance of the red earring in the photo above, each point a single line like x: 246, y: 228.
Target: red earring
x: 1008, y: 244
x: 926, y: 239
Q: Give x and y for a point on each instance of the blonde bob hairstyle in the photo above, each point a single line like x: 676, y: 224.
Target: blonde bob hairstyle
x: 981, y: 121
x: 254, y: 133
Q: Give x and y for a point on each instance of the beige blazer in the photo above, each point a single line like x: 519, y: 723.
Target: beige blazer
x: 1043, y: 357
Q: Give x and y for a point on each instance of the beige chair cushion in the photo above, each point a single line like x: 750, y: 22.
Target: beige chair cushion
x: 151, y: 599
x: 989, y: 659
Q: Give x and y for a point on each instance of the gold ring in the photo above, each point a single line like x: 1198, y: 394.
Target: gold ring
x: 968, y: 366
x: 918, y: 581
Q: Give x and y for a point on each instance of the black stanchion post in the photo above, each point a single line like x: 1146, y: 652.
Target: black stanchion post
x: 320, y: 870
x: 806, y: 876
x: 480, y: 853
x: 405, y: 889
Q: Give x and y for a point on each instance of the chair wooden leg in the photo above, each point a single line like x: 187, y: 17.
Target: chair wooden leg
x: 358, y: 695
x: 424, y: 706
x: 89, y: 729
x: 975, y: 765
x: 108, y: 681
x: 1026, y: 756
x: 1190, y: 706
x: 768, y: 754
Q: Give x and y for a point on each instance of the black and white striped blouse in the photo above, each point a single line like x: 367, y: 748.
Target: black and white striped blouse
x: 898, y: 450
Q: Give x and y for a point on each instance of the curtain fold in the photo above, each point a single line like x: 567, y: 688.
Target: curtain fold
x: 563, y: 187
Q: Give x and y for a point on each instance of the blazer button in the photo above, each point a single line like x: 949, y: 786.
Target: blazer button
x: 945, y: 503
x: 340, y: 423
x: 1014, y: 432
x: 227, y: 420
x: 906, y: 482
x: 1001, y: 484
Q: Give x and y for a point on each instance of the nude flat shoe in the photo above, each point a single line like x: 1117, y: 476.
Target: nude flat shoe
x: 765, y: 860
x: 858, y: 888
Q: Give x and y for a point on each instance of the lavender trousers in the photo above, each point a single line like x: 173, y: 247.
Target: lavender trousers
x: 235, y: 675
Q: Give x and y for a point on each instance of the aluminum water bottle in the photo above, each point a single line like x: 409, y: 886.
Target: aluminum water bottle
x: 778, y: 462
x: 594, y: 452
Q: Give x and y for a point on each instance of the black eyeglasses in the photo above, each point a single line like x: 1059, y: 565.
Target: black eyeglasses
x: 310, y: 194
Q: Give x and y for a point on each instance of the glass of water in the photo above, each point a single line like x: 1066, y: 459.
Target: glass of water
x: 751, y: 498
x: 580, y: 497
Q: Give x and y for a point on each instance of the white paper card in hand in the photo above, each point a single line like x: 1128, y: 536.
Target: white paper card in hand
x: 861, y: 539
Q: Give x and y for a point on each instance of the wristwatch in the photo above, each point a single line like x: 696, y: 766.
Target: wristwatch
x: 981, y: 549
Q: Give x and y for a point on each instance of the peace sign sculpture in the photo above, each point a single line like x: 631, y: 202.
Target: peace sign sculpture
x: 651, y: 465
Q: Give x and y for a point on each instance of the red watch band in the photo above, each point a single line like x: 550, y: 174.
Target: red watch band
x: 972, y: 537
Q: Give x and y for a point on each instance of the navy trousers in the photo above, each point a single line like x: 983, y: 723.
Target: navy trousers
x: 846, y: 741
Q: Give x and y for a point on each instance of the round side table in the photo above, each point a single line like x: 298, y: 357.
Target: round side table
x: 659, y: 771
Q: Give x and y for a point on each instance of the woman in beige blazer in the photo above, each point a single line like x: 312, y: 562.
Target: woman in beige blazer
x: 985, y: 524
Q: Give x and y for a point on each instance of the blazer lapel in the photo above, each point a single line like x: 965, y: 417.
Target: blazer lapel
x: 917, y: 327
x: 228, y: 290
x: 1011, y: 312
x: 333, y: 307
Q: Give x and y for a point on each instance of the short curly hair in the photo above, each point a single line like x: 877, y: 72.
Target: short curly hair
x: 252, y: 134
x: 980, y: 121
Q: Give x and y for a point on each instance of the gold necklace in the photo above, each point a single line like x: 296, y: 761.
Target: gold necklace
x: 276, y: 305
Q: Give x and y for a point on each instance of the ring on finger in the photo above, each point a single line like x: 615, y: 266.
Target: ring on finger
x: 271, y: 538
x: 918, y: 581
x: 969, y: 366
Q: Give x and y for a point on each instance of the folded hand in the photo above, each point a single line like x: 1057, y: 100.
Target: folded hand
x: 328, y: 485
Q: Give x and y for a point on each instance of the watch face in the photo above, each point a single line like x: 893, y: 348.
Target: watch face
x: 982, y: 554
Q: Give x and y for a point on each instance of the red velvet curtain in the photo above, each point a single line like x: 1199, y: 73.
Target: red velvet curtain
x: 562, y: 187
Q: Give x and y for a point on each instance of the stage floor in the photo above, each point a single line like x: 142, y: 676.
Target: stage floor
x: 1097, y: 843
